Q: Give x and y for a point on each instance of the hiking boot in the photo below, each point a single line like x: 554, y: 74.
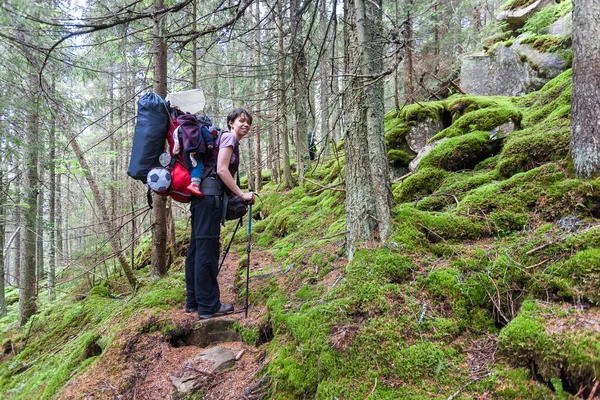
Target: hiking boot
x: 194, y: 189
x: 225, y: 309
x: 191, y: 309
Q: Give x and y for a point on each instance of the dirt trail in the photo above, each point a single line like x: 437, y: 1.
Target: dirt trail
x: 140, y: 366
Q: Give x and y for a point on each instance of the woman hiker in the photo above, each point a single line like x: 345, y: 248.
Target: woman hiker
x: 202, y: 261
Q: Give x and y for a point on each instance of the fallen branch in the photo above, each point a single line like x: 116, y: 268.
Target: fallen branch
x: 332, y: 187
x: 559, y: 239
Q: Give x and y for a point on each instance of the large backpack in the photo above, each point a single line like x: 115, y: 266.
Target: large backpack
x: 180, y: 164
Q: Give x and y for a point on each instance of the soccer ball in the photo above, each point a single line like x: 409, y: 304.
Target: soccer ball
x: 159, y: 180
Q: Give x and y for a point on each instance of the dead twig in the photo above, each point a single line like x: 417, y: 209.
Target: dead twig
x: 372, y: 390
x: 538, y: 264
x: 466, y: 385
x: 403, y: 177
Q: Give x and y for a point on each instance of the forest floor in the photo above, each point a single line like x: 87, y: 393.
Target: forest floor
x: 142, y: 365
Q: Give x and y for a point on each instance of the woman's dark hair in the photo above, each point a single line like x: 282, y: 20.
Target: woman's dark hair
x: 237, y: 113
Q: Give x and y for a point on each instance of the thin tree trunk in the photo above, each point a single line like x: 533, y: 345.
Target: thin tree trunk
x: 324, y: 87
x: 27, y: 298
x: 283, y: 134
x: 194, y: 57
x: 300, y: 88
x: 585, y: 107
x: 258, y: 90
x: 396, y: 57
x: 16, y: 270
x: 3, y: 191
x: 39, y: 238
x: 408, y: 55
x: 159, y: 212
x: 52, y: 206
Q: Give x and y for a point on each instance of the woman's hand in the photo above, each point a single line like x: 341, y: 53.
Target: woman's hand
x: 249, y: 197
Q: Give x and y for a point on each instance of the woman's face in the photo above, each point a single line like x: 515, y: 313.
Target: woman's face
x: 241, y: 125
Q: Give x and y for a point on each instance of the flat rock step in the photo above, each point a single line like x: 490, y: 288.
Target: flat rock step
x: 201, y: 369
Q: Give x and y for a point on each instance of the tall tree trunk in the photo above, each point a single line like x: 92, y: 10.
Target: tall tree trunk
x: 367, y: 180
x: 336, y: 122
x: 16, y: 267
x: 585, y: 106
x: 257, y: 108
x: 52, y: 205
x: 194, y: 58
x: 324, y: 86
x: 103, y: 211
x: 396, y: 59
x: 159, y: 212
x: 27, y: 281
x: 60, y: 236
x: 283, y: 134
x: 3, y: 191
x: 300, y: 88
x: 39, y: 237
x: 408, y: 54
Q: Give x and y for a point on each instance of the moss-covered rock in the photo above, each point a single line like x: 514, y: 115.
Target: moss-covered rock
x: 550, y: 339
x: 462, y: 152
x: 424, y: 181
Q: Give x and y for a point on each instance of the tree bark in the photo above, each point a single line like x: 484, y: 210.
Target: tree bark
x: 52, y: 216
x: 257, y: 108
x: 300, y: 88
x: 585, y: 105
x: 408, y: 54
x: 39, y: 237
x: 368, y: 192
x: 3, y: 191
x: 27, y: 280
x: 282, y: 117
x: 159, y: 212
x: 324, y: 80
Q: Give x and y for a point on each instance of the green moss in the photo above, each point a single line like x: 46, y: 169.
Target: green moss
x: 548, y: 43
x: 532, y: 338
x: 463, y: 152
x: 580, y: 275
x: 423, y: 182
x: 533, y: 147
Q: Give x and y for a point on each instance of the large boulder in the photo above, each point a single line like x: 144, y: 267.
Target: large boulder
x: 501, y: 73
x: 509, y: 71
x: 546, y: 65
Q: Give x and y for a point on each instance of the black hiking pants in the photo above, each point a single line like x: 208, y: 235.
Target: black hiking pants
x: 202, y: 260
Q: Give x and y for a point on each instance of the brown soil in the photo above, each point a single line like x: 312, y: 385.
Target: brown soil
x: 139, y: 365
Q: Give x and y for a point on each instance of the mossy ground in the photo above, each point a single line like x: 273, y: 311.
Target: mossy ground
x: 477, y: 256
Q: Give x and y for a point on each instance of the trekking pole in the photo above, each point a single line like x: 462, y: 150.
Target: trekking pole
x: 240, y: 222
x: 248, y: 253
